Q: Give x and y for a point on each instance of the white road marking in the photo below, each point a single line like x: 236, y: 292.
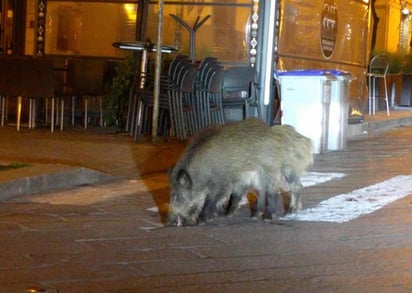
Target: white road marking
x: 349, y: 206
x: 313, y: 178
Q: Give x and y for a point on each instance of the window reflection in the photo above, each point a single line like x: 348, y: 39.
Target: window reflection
x: 222, y: 35
x: 88, y: 29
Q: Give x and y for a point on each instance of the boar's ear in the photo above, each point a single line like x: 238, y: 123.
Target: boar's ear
x: 183, y: 179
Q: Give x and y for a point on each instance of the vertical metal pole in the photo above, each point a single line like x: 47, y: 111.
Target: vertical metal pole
x: 19, y: 98
x: 3, y: 107
x: 157, y: 71
x: 30, y: 113
x: 52, y: 115
x: 62, y: 114
x: 266, y: 57
x: 86, y: 100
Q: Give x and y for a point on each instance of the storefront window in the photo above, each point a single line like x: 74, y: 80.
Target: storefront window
x: 221, y: 35
x: 88, y: 28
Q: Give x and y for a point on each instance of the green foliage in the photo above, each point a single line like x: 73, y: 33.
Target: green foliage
x: 407, y: 63
x: 395, y: 62
x: 398, y: 62
x: 117, y: 100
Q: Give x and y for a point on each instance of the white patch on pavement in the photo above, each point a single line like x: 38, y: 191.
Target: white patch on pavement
x: 153, y: 209
x: 346, y: 207
x: 313, y: 178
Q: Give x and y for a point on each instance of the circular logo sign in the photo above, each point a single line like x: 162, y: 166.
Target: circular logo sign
x: 328, y: 28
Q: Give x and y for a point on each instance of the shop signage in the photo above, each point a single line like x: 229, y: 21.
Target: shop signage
x: 328, y: 28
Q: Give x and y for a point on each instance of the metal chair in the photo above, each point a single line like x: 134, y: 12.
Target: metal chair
x: 182, y: 103
x: 214, y: 96
x: 27, y: 77
x: 145, y: 108
x: 378, y: 68
x: 209, y: 92
x: 88, y: 86
x: 141, y: 101
x: 239, y: 89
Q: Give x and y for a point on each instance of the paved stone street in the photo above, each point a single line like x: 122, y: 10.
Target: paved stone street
x: 108, y: 238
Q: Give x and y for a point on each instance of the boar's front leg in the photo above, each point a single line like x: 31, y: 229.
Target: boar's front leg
x: 274, y: 202
x: 233, y: 203
x: 209, y: 210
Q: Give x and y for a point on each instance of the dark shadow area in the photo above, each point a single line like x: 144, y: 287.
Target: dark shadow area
x: 161, y: 198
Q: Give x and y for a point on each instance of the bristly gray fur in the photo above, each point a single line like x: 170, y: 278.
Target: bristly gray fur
x: 222, y: 164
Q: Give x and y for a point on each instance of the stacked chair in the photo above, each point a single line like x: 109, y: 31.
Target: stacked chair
x: 182, y: 99
x: 191, y: 97
x: 209, y: 81
x: 31, y: 78
x: 143, y: 119
x: 177, y: 114
x: 239, y: 89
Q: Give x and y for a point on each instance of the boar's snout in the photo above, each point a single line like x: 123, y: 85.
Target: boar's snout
x: 179, y: 220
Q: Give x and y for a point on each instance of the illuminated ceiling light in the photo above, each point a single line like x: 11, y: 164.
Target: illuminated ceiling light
x: 405, y: 11
x: 130, y: 10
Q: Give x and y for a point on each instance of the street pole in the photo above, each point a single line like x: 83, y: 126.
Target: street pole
x: 158, y: 69
x: 266, y: 61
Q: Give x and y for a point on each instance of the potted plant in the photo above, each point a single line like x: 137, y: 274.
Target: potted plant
x: 116, y: 101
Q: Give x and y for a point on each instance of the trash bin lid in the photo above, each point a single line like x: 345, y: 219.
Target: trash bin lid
x: 327, y: 73
x: 338, y: 72
x: 304, y: 72
x: 342, y: 74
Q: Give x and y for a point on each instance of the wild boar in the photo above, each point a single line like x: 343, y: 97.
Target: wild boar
x: 296, y: 153
x: 222, y: 164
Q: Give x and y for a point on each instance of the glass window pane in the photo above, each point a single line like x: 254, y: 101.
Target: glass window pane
x: 88, y: 28
x: 222, y: 35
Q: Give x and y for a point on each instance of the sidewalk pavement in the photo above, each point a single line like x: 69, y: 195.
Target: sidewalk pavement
x: 77, y: 157
x: 102, y: 231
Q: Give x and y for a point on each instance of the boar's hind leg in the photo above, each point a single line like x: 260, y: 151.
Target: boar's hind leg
x: 272, y: 199
x: 295, y: 202
x: 295, y: 187
x: 295, y: 196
